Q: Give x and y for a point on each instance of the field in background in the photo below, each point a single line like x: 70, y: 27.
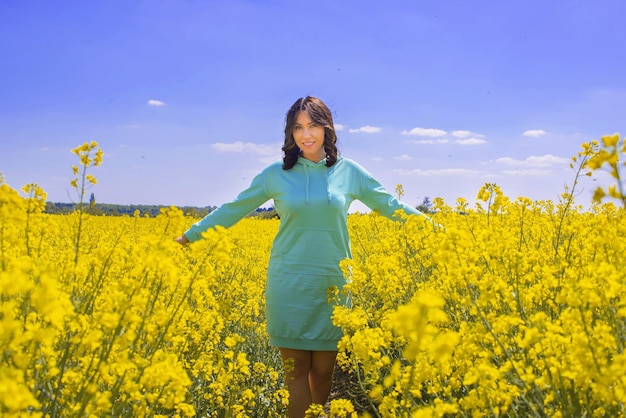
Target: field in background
x: 513, y: 308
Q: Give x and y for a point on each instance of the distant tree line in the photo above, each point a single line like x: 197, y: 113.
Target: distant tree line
x: 109, y: 209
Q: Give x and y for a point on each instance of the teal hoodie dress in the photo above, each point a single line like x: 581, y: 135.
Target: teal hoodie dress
x: 312, y: 201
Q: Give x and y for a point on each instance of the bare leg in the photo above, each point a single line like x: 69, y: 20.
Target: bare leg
x: 297, y: 366
x: 308, y: 377
x: 321, y: 375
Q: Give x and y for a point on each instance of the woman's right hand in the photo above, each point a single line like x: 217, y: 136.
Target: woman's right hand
x: 182, y: 240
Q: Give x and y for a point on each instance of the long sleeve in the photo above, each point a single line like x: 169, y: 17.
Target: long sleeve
x: 232, y: 212
x: 377, y: 198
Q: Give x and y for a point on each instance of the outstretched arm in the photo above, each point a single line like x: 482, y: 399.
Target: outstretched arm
x: 377, y: 198
x: 230, y: 213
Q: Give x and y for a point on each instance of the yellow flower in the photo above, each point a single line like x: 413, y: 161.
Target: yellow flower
x: 314, y: 411
x: 598, y: 194
x: 614, y: 192
x: 98, y: 158
x: 342, y: 408
x: 610, y: 140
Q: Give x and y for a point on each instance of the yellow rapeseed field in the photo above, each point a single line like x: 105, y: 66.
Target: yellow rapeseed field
x: 514, y: 308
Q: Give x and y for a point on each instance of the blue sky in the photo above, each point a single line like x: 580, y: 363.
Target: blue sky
x: 187, y: 98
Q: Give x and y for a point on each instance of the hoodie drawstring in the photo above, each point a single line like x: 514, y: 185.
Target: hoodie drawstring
x: 306, y: 174
x: 327, y: 185
x: 308, y: 182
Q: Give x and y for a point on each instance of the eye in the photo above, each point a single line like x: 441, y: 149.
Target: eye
x: 297, y: 128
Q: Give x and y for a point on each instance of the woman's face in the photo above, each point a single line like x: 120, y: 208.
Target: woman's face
x: 309, y: 137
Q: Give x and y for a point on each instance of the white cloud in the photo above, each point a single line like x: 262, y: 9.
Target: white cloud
x: 250, y: 147
x: 534, y: 161
x: 434, y: 133
x: 527, y: 172
x: 155, y: 103
x: 339, y: 127
x: 470, y: 141
x: 534, y: 133
x: 428, y: 141
x: 404, y: 157
x: 366, y: 129
x: 436, y: 173
x: 466, y: 134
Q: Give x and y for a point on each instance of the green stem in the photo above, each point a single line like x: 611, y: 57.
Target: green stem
x: 80, y: 215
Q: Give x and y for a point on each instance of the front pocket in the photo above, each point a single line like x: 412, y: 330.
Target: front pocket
x: 313, y: 251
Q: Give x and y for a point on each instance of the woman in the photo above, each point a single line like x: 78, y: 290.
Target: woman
x: 312, y: 189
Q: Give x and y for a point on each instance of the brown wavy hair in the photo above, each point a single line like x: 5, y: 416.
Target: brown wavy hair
x: 319, y: 114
